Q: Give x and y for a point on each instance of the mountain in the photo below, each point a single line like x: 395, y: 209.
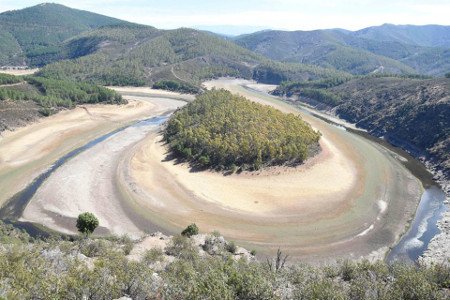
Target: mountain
x: 319, y: 47
x: 354, y: 52
x: 32, y: 36
x: 419, y: 35
x: 131, y: 54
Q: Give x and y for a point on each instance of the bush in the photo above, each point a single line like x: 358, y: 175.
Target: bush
x: 190, y: 230
x: 182, y: 247
x: 86, y: 223
x: 231, y: 247
x: 153, y: 255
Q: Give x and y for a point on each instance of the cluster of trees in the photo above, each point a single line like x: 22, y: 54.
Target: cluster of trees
x: 276, y: 72
x: 52, y: 94
x: 99, y: 268
x: 176, y: 86
x: 9, y: 79
x: 224, y: 131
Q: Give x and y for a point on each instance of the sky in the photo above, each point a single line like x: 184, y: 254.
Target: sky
x: 243, y: 16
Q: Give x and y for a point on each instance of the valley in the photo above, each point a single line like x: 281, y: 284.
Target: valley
x: 128, y: 176
x: 152, y: 160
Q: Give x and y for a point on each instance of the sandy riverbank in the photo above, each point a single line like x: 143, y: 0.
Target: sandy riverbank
x: 86, y: 183
x: 27, y: 151
x: 19, y: 72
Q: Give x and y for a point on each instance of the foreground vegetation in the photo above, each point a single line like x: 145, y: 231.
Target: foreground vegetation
x: 224, y: 131
x: 88, y: 268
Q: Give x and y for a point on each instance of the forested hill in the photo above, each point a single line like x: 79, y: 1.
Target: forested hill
x: 25, y: 99
x: 220, y: 130
x: 133, y: 54
x: 319, y: 47
x: 99, y: 49
x: 32, y: 36
x: 383, y: 49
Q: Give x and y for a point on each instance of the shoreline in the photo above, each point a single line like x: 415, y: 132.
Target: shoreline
x: 366, y: 232
x: 434, y: 252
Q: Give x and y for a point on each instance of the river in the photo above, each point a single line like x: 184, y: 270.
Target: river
x: 410, y: 247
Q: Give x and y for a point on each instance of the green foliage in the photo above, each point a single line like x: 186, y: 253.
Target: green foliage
x: 86, y: 223
x: 219, y: 130
x: 11, y: 235
x: 277, y: 72
x: 55, y: 270
x: 191, y: 230
x: 9, y: 79
x: 176, y: 86
x: 182, y: 247
x: 321, y: 95
x: 52, y: 94
x: 231, y: 247
x: 153, y: 255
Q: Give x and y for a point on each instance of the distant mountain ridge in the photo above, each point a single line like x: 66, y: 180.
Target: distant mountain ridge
x: 388, y: 48
x: 419, y: 35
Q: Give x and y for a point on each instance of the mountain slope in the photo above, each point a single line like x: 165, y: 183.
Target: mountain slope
x: 353, y: 52
x: 133, y: 54
x: 319, y: 47
x: 433, y: 61
x: 424, y: 35
x: 32, y: 35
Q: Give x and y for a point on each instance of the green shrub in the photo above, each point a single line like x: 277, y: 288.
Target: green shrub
x: 182, y: 247
x: 231, y: 247
x: 190, y: 230
x: 153, y: 255
x: 86, y: 223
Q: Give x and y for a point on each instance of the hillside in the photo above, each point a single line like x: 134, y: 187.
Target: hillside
x: 349, y: 51
x: 23, y: 100
x: 420, y: 35
x: 32, y: 36
x: 133, y: 54
x: 220, y: 130
x: 411, y: 113
x: 318, y: 47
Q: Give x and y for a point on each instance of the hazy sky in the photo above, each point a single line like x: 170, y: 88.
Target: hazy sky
x: 275, y: 14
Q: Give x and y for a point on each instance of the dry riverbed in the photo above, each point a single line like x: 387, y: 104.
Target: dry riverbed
x: 351, y: 200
